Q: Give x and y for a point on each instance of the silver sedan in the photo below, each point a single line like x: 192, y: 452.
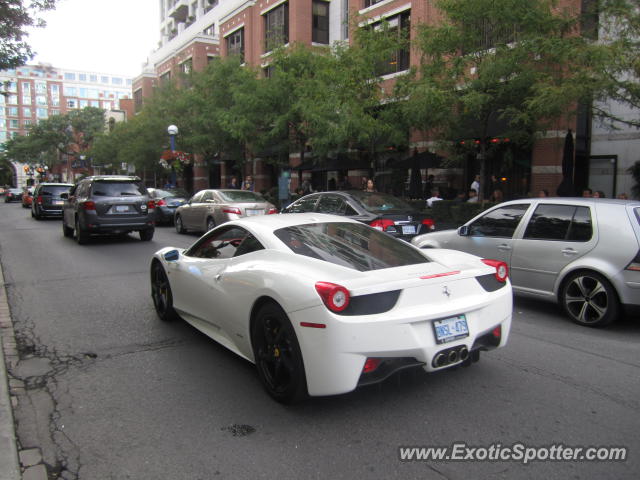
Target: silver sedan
x: 209, y: 208
x: 583, y: 253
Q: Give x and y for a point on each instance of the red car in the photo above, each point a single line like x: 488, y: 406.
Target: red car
x: 27, y: 197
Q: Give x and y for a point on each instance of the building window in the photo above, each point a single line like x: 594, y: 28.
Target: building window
x: 187, y: 66
x: 41, y: 87
x: 92, y: 93
x: 70, y: 76
x: 107, y: 105
x: 83, y: 92
x: 72, y: 103
x: 55, y: 90
x: 320, y: 25
x: 26, y: 123
x: 276, y: 27
x: 54, y: 112
x: 209, y: 4
x: 94, y: 103
x: 235, y: 43
x: 26, y: 88
x: 84, y: 103
x: 42, y: 113
x: 13, y: 124
x: 369, y: 3
x: 41, y: 99
x: 26, y: 112
x: 398, y: 25
x: 116, y: 81
x: 70, y: 91
x: 93, y: 78
x: 12, y: 87
x: 12, y: 111
x: 12, y: 99
x: 26, y: 99
x: 82, y: 77
x: 129, y: 82
x: 55, y: 101
x: 210, y: 30
x: 165, y: 78
x: 104, y: 79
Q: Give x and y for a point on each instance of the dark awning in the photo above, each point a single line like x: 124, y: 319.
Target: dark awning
x: 425, y: 160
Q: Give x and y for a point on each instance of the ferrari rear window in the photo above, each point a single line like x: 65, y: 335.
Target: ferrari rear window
x: 352, y: 245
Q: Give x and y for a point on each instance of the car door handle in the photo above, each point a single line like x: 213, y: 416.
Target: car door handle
x: 569, y: 251
x: 504, y: 247
x: 218, y: 277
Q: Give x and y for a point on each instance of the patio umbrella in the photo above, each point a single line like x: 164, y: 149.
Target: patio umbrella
x: 566, y: 187
x: 415, y: 182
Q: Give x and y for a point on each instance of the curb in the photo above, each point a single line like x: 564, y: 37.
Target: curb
x: 9, y: 462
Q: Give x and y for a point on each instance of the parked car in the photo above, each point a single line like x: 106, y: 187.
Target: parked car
x: 583, y: 253
x: 111, y: 204
x: 47, y: 200
x: 27, y: 197
x: 13, y: 195
x: 323, y: 304
x: 380, y: 210
x: 209, y: 208
x: 167, y: 201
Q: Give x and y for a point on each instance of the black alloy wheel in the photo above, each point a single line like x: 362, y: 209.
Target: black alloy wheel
x: 277, y: 355
x: 179, y: 227
x: 161, y: 293
x: 589, y: 299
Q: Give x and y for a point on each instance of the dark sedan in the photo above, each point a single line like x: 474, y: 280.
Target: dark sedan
x: 380, y: 210
x: 13, y: 195
x: 166, y: 202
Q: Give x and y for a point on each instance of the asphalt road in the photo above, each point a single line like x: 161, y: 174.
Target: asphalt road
x: 113, y: 393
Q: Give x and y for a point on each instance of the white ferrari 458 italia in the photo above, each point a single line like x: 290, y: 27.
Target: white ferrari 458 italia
x: 323, y: 304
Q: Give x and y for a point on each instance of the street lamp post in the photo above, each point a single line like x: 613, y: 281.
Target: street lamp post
x: 173, y: 131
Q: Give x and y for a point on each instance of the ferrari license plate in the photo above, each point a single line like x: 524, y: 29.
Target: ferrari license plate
x: 254, y: 212
x: 408, y: 229
x: 450, y: 329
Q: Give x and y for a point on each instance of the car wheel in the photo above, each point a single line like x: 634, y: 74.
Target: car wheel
x: 82, y: 236
x: 210, y: 224
x: 66, y: 231
x: 146, y: 235
x: 277, y: 355
x: 589, y: 299
x: 179, y: 227
x: 161, y: 293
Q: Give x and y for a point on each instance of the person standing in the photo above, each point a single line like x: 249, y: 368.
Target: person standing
x: 473, y: 196
x: 475, y: 185
x: 370, y: 187
x: 248, y: 183
x: 233, y: 183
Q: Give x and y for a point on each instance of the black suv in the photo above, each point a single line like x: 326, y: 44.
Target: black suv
x: 108, y: 204
x: 47, y: 200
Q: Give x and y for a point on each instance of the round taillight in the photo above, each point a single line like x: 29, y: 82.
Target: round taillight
x: 502, y: 270
x: 335, y: 297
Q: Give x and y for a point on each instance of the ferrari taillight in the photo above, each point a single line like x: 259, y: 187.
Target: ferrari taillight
x: 502, y: 270
x: 335, y: 297
x: 382, y: 224
x: 271, y: 211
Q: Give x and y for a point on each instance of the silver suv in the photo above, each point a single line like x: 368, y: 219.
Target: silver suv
x: 108, y: 204
x: 583, y: 253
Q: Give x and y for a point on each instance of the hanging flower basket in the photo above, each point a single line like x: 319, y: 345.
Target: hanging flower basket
x: 175, y: 159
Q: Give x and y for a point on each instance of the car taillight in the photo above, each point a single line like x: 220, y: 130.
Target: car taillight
x: 39, y: 199
x: 151, y: 204
x: 234, y: 210
x: 272, y: 211
x: 382, y: 224
x: 429, y: 223
x: 335, y: 297
x: 88, y: 205
x: 497, y: 332
x: 635, y: 264
x: 371, y: 364
x: 502, y: 270
x: 160, y: 203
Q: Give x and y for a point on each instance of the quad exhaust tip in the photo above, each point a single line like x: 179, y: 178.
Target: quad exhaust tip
x: 450, y: 356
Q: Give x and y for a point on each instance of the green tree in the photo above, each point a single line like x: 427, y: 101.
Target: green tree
x: 15, y: 17
x: 512, y: 61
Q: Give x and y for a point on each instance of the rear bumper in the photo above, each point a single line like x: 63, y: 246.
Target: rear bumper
x: 334, y: 356
x: 47, y: 211
x: 93, y: 224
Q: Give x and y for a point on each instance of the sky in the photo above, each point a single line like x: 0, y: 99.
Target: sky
x: 105, y: 36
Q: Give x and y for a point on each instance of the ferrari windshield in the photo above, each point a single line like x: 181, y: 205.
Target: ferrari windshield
x: 352, y: 245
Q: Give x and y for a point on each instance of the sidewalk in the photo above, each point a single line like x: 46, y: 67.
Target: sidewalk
x: 9, y: 464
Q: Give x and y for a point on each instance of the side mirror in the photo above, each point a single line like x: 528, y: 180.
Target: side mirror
x: 172, y: 255
x: 463, y: 231
x: 64, y: 196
